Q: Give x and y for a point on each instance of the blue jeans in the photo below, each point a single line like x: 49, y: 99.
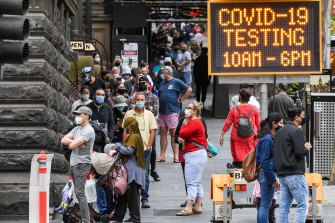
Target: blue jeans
x: 267, y: 192
x: 293, y: 187
x: 187, y: 77
x: 145, y: 191
x: 194, y: 166
x: 101, y: 200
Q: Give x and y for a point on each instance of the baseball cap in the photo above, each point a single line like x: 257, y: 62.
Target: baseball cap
x: 83, y: 109
x: 168, y: 60
x: 120, y: 101
x: 86, y: 70
x: 169, y: 69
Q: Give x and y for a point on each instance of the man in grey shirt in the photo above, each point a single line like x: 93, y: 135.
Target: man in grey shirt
x: 80, y: 140
x: 281, y: 102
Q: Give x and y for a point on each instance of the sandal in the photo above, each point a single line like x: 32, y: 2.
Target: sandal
x: 195, y: 211
x: 160, y: 160
x: 184, y: 212
x: 176, y: 161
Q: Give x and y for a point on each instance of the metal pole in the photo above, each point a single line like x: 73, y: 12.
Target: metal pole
x: 274, y: 92
x: 314, y: 202
x: 1, y: 72
x: 225, y: 203
x: 264, y: 100
x: 80, y: 15
x: 88, y: 17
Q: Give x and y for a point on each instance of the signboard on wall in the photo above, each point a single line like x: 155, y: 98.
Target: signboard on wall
x: 82, y: 46
x: 262, y: 37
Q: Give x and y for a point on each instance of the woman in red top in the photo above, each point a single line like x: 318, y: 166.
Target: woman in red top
x: 192, y: 130
x: 239, y: 146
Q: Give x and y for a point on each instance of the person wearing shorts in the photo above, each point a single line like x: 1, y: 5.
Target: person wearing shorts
x: 172, y: 92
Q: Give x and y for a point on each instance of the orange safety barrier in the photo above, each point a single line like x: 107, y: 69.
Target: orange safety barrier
x: 218, y: 181
x: 315, y: 178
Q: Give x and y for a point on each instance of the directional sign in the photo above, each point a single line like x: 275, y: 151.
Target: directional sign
x: 255, y: 37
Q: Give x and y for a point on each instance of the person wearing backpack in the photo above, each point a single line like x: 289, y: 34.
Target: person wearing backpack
x: 267, y: 177
x: 245, y: 119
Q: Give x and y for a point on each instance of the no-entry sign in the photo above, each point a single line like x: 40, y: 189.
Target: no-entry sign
x: 264, y: 37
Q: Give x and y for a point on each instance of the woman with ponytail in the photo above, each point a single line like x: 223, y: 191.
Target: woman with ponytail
x: 264, y: 159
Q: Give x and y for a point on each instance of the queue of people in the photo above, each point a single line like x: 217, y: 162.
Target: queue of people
x: 130, y: 105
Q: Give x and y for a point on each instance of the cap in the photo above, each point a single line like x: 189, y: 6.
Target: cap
x: 169, y: 69
x: 120, y: 101
x: 168, y: 60
x: 191, y: 34
x: 86, y: 70
x: 83, y: 109
x: 143, y: 79
x: 283, y: 86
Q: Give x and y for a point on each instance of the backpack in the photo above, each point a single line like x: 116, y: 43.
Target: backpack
x: 244, y: 128
x: 250, y: 170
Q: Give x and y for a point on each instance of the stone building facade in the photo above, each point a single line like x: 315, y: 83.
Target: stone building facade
x: 34, y: 107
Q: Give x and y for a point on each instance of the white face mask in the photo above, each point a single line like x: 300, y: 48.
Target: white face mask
x: 97, y: 59
x: 187, y: 113
x: 85, y: 97
x: 78, y: 120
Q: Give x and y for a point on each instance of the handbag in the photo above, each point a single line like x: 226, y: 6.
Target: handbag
x: 210, y: 148
x: 118, y: 179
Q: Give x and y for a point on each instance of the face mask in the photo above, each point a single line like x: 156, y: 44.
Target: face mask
x: 143, y: 87
x: 87, y: 79
x: 121, y: 91
x: 117, y: 63
x: 167, y: 64
x: 303, y: 121
x: 99, y: 99
x: 161, y: 62
x: 121, y: 108
x: 183, y: 50
x: 163, y: 77
x: 78, y: 120
x: 140, y: 104
x: 278, y: 127
x: 116, y: 76
x: 85, y: 97
x: 126, y: 76
x: 187, y: 113
x: 97, y: 60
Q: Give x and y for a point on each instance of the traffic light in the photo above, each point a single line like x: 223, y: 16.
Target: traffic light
x: 12, y: 30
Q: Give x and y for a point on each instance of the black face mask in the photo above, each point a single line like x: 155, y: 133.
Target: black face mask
x: 121, y: 91
x: 142, y: 87
x: 117, y: 64
x: 167, y: 64
x: 278, y: 127
x: 183, y: 50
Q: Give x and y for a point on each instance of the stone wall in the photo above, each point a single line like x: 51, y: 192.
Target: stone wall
x: 34, y: 108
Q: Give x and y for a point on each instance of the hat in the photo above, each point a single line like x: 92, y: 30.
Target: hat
x: 86, y: 70
x: 191, y: 34
x: 169, y: 69
x: 120, y: 101
x: 283, y: 86
x: 167, y: 60
x: 83, y: 109
x: 143, y: 79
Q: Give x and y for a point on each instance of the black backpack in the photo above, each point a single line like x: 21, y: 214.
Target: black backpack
x: 244, y: 128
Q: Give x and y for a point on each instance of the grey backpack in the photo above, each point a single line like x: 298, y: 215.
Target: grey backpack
x: 244, y: 128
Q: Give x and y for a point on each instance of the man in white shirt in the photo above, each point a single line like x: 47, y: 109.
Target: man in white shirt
x: 184, y: 64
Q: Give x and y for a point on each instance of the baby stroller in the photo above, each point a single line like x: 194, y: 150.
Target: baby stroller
x: 101, y: 167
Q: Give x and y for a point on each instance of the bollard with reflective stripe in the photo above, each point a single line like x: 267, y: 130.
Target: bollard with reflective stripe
x: 43, y: 187
x: 314, y: 202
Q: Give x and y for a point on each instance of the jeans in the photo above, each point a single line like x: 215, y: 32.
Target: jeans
x: 194, y: 165
x: 101, y: 200
x: 145, y: 191
x: 293, y: 187
x: 187, y: 77
x: 267, y: 192
x: 272, y: 217
x: 79, y: 172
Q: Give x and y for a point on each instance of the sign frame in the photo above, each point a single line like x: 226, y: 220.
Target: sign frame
x: 266, y: 72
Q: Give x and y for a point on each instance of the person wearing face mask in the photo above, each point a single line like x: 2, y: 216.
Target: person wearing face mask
x: 184, y: 64
x: 92, y: 82
x: 192, y: 134
x: 147, y: 125
x: 84, y: 98
x: 119, y: 89
x: 289, y: 152
x: 158, y: 67
x: 120, y: 106
x: 80, y: 140
x: 102, y: 112
x: 96, y: 57
x: 160, y: 75
x: 267, y: 178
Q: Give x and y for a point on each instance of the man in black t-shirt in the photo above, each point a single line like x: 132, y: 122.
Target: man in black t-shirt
x: 92, y: 82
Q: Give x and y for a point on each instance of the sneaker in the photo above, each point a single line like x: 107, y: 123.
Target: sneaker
x: 154, y: 175
x: 145, y: 204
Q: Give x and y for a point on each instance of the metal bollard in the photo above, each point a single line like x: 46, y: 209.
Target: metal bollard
x: 225, y: 203
x: 43, y: 187
x: 314, y: 202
